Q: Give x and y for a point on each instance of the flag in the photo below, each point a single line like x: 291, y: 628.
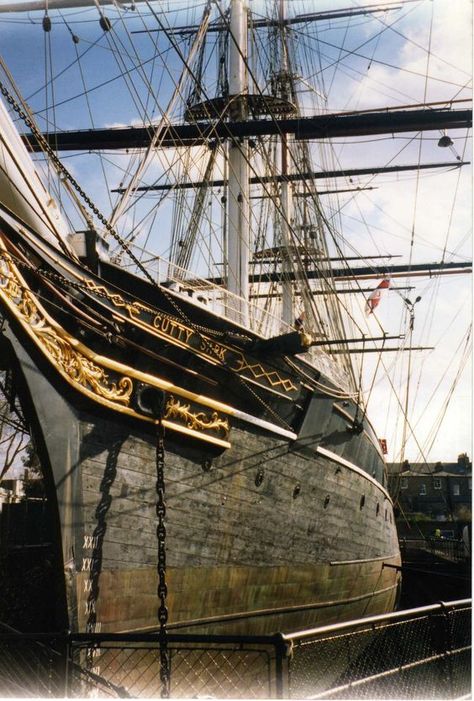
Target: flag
x: 374, y: 298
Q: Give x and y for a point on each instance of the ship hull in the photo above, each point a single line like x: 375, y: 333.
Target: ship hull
x: 269, y: 535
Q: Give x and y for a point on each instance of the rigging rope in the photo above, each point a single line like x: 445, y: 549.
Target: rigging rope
x: 466, y: 342
x: 155, y: 140
x: 408, y: 304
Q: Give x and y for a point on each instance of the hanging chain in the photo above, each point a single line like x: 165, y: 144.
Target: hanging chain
x: 67, y: 176
x: 28, y: 121
x: 161, y: 567
x: 62, y: 170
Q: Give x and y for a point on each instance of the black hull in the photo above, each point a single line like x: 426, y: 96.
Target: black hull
x: 307, y: 546
x: 277, y: 512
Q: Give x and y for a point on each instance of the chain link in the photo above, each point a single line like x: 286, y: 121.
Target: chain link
x: 95, y: 210
x: 67, y: 176
x: 161, y: 566
x: 181, y: 314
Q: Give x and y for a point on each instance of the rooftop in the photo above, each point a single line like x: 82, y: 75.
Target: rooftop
x: 463, y: 466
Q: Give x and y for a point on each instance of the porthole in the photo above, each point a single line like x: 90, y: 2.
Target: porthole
x: 362, y: 502
x: 296, y: 490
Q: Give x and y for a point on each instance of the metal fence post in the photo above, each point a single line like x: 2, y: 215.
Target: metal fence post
x: 282, y: 656
x: 438, y: 640
x: 67, y: 666
x: 448, y: 646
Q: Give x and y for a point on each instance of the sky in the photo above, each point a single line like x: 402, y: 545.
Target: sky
x: 374, y: 61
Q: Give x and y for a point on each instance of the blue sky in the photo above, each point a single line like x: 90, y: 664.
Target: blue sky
x: 376, y: 61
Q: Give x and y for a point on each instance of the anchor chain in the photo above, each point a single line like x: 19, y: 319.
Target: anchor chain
x: 63, y: 171
x: 67, y: 176
x: 73, y: 182
x: 161, y: 567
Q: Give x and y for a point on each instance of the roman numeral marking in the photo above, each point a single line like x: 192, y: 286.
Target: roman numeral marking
x: 86, y: 564
x: 89, y: 607
x: 90, y: 542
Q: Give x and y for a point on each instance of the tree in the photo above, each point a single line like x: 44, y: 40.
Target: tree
x: 33, y: 483
x: 14, y: 435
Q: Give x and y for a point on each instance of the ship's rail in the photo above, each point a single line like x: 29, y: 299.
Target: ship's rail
x: 418, y: 653
x: 202, y: 292
x: 224, y: 304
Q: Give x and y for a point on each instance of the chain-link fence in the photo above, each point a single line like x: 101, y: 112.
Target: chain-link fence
x: 215, y: 666
x: 421, y: 653
x: 32, y: 666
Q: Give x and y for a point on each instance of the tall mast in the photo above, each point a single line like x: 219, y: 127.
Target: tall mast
x: 238, y: 239
x: 285, y: 192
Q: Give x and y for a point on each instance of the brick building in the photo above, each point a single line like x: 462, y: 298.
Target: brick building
x: 440, y: 492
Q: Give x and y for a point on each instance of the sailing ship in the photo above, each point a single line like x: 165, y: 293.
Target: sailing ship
x: 202, y: 432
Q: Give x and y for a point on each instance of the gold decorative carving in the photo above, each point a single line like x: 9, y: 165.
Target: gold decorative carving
x: 133, y: 308
x: 177, y: 410
x: 81, y: 369
x: 177, y: 331
x: 272, y: 377
x: 60, y: 350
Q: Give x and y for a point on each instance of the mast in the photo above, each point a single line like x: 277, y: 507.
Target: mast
x: 287, y: 312
x: 238, y: 238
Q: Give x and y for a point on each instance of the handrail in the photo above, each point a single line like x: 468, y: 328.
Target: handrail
x: 372, y: 620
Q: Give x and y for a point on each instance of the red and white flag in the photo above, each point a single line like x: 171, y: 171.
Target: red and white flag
x: 374, y: 298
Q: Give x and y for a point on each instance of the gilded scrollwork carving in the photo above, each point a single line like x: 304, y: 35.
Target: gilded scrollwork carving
x: 198, y: 420
x: 78, y: 367
x: 88, y: 373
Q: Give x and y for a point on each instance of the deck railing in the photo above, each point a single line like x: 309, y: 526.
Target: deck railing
x: 419, y: 653
x: 263, y: 320
x: 202, y: 292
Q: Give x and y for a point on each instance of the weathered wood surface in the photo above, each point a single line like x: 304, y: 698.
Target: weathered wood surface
x: 233, y: 548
